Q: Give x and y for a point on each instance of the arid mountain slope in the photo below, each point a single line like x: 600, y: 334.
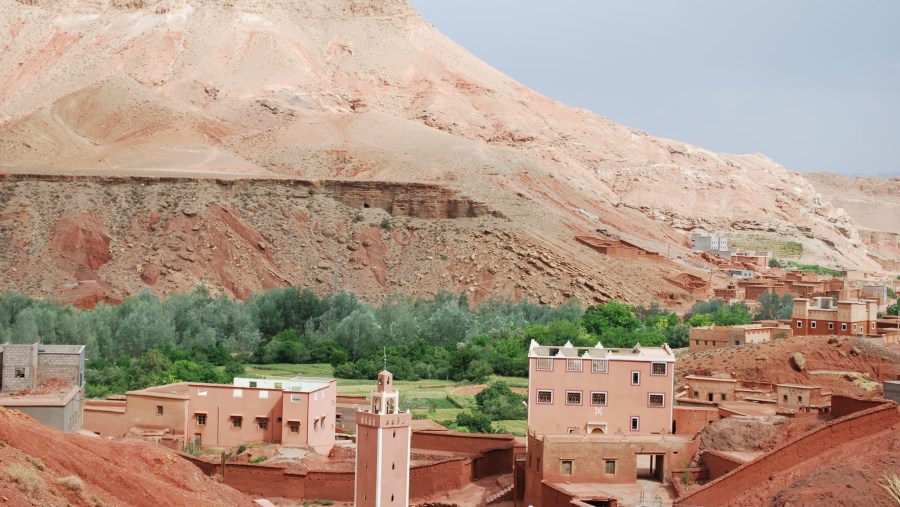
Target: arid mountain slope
x: 43, y: 466
x: 350, y: 90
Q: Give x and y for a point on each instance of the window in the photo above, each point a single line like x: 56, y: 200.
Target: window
x: 812, y: 324
x: 724, y: 397
x: 830, y: 326
x: 799, y: 324
x: 785, y: 398
x: 697, y: 394
x: 278, y: 385
x: 237, y: 421
x: 20, y: 373
x: 610, y: 467
x: 294, y: 426
x: 843, y: 327
x: 573, y: 397
x: 635, y: 423
x: 201, y: 392
x: 573, y: 364
x: 545, y: 397
x: 159, y: 410
x: 545, y: 364
x: 657, y: 400
x: 599, y: 366
x: 800, y: 399
x: 737, y: 342
x: 658, y: 369
x: 635, y: 378
x: 565, y: 467
x: 854, y: 328
x: 252, y: 383
x: 598, y: 399
x: 570, y: 429
x: 295, y: 398
x: 262, y: 423
x: 238, y: 393
x: 201, y: 419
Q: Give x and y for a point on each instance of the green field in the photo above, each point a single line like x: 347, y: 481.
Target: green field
x: 431, y: 399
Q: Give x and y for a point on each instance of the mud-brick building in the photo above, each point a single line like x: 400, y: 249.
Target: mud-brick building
x: 297, y: 411
x: 44, y: 381
x: 718, y: 337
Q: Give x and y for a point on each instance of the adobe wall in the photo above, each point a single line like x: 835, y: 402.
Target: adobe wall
x: 466, y: 443
x: 273, y: 481
x: 692, y: 420
x: 719, y: 464
x: 493, y: 462
x: 842, y: 405
x: 722, y: 491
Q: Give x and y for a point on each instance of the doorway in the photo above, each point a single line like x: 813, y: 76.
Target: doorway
x: 650, y: 467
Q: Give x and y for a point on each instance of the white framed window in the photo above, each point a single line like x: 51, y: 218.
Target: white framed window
x: 600, y: 366
x: 799, y: 324
x: 635, y: 378
x: 656, y: 400
x: 635, y: 423
x: 202, y: 392
x: 831, y: 326
x: 545, y: 364
x: 598, y: 399
x: 812, y: 324
x: 573, y: 364
x: 658, y: 368
x: 545, y: 396
x: 573, y: 397
x: 843, y: 327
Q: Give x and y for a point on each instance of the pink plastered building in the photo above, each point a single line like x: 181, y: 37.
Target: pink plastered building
x: 296, y: 411
x: 383, y: 439
x: 600, y: 391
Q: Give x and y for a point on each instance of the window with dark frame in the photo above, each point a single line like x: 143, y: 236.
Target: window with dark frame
x: 544, y: 396
x: 573, y: 397
x: 237, y: 421
x: 635, y: 378
x: 159, y: 410
x: 610, y: 467
x: 598, y: 399
x: 657, y: 400
x: 262, y: 423
x: 294, y: 426
x: 201, y: 419
x: 635, y: 423
x: 565, y: 467
x: 658, y: 368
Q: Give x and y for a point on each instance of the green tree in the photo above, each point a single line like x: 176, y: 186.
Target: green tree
x: 474, y: 421
x: 610, y: 315
x: 499, y: 403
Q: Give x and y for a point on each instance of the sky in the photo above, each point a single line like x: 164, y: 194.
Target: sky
x: 813, y: 84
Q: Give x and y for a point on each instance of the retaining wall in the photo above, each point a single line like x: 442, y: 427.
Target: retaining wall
x: 842, y: 405
x: 719, y: 464
x: 810, y: 445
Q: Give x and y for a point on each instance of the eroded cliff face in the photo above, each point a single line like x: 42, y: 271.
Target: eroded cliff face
x: 369, y: 100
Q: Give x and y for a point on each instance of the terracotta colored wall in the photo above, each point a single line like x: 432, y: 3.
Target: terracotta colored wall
x: 493, y: 462
x: 220, y: 403
x: 452, y: 441
x: 623, y: 399
x: 719, y: 464
x: 846, y: 429
x: 98, y: 419
x: 692, y: 420
x: 271, y: 481
x: 714, y: 387
x: 842, y: 405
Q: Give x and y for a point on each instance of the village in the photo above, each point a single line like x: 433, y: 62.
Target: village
x: 605, y: 426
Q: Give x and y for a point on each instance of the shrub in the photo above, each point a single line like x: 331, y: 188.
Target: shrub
x: 71, y: 482
x: 892, y: 484
x: 37, y: 464
x: 258, y: 459
x: 30, y: 481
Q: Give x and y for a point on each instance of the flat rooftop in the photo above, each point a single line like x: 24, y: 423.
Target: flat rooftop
x: 663, y: 353
x: 294, y: 385
x: 49, y: 398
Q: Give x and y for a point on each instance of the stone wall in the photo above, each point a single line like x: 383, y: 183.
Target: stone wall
x: 19, y: 368
x: 62, y: 366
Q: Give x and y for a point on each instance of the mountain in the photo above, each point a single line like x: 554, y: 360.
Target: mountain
x: 248, y: 144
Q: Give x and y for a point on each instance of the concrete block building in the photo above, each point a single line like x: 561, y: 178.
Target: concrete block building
x: 712, y: 243
x: 297, y: 411
x: 599, y: 390
x: 820, y: 316
x: 45, y: 382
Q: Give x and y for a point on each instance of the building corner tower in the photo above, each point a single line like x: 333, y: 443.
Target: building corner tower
x: 383, y: 436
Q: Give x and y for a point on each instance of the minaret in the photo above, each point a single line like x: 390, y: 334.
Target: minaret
x: 382, y: 449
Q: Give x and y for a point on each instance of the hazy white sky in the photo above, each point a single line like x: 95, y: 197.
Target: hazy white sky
x: 814, y: 84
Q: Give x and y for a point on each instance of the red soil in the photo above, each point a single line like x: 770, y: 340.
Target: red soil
x: 125, y: 473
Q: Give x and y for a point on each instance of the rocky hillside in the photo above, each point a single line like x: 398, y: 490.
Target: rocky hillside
x: 42, y: 466
x: 254, y: 143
